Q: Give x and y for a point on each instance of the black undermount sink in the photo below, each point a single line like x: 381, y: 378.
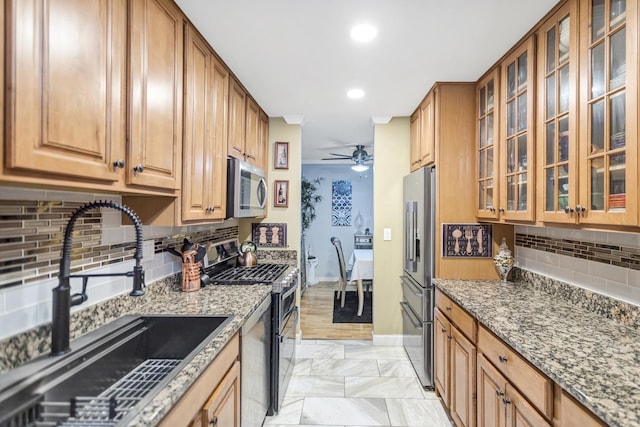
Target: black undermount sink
x: 110, y: 373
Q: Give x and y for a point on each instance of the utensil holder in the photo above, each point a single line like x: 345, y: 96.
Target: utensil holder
x: 190, y: 272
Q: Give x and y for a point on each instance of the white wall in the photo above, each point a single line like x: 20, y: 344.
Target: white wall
x: 321, y: 230
x: 391, y: 165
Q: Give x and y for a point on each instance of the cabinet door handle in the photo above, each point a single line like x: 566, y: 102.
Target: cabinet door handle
x: 502, y: 359
x: 139, y: 168
x: 449, y: 337
x: 501, y: 210
x: 506, y: 401
x: 448, y: 308
x: 580, y: 208
x: 444, y: 330
x: 568, y: 210
x: 499, y: 393
x: 213, y: 421
x: 118, y: 164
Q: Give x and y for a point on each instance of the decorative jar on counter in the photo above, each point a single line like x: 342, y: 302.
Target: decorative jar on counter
x: 503, y: 260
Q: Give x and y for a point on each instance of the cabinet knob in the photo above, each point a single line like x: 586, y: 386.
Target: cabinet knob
x: 506, y: 401
x: 580, y: 208
x: 118, y: 164
x: 213, y: 421
x: 502, y: 359
x: 499, y: 393
x: 501, y: 210
x: 444, y: 330
x: 568, y: 210
x: 492, y: 209
x: 448, y: 308
x: 449, y: 337
x: 139, y: 168
x: 210, y: 209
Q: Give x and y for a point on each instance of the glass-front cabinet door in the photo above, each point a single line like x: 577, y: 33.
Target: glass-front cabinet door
x: 517, y: 134
x: 487, y: 132
x: 608, y: 115
x: 557, y: 159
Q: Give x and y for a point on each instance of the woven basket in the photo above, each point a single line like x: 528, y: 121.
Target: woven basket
x: 190, y: 272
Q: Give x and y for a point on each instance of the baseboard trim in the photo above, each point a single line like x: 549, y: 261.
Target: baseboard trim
x: 387, y: 340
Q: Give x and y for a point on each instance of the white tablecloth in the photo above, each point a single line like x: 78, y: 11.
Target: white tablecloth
x: 361, y: 263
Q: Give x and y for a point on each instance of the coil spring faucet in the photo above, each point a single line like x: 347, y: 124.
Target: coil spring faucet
x: 62, y: 298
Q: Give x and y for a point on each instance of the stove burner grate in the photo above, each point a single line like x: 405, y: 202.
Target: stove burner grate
x: 261, y: 273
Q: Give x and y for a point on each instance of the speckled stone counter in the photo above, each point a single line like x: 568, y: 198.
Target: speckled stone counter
x: 595, y: 359
x: 228, y: 299
x: 162, y: 297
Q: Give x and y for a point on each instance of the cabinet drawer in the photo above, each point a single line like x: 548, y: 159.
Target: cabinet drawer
x: 463, y: 320
x: 532, y: 383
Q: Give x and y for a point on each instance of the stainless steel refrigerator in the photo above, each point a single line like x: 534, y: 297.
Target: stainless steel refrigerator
x: 418, y: 292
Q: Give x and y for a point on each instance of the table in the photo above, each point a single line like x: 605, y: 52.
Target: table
x: 361, y: 264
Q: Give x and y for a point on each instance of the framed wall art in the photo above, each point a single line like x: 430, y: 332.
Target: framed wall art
x: 467, y: 240
x: 270, y: 235
x: 281, y: 194
x: 281, y: 155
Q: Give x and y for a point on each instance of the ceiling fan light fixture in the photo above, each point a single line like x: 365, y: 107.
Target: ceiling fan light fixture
x: 359, y: 167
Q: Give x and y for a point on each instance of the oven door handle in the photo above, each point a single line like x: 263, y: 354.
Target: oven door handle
x: 295, y: 323
x: 290, y: 291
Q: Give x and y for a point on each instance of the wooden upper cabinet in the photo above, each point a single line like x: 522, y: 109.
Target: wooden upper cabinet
x: 557, y: 113
x: 487, y: 137
x: 263, y: 139
x: 66, y: 80
x: 415, y: 154
x: 237, y: 114
x: 517, y: 94
x: 253, y: 152
x: 423, y: 133
x: 205, y: 132
x: 156, y: 30
x: 427, y: 130
x: 608, y: 152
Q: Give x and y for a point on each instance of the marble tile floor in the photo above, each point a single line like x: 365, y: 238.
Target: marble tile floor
x: 353, y: 383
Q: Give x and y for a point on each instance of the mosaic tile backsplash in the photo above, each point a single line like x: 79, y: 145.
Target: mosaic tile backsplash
x: 614, y: 254
x: 31, y: 235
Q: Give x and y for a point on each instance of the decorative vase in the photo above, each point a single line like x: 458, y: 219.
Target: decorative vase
x: 503, y: 260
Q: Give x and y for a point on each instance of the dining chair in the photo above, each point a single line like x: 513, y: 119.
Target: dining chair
x: 345, y: 276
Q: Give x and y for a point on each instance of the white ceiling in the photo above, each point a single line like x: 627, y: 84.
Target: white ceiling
x: 296, y: 56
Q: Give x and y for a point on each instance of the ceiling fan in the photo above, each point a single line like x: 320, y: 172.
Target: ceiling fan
x: 359, y: 157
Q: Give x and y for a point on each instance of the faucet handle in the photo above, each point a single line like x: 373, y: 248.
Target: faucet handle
x: 138, y: 281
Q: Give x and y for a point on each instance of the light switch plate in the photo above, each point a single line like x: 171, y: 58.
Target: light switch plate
x: 387, y: 234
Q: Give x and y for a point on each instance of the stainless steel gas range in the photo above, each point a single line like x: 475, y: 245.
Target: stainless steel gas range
x: 280, y: 334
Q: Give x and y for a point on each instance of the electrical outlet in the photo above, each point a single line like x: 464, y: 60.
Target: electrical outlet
x: 148, y: 250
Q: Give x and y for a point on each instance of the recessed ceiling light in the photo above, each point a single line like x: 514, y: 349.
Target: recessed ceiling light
x: 355, y: 93
x: 363, y: 33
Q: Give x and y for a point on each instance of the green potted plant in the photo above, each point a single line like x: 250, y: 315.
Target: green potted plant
x: 308, y: 199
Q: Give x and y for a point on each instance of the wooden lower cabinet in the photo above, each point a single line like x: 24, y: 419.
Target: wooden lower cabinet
x: 214, y: 398
x: 455, y: 371
x: 500, y: 404
x: 223, y: 407
x: 570, y: 413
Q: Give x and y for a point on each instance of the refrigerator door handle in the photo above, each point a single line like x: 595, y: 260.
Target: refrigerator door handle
x: 410, y: 315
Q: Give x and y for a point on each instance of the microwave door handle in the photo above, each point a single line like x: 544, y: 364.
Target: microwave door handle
x: 261, y: 190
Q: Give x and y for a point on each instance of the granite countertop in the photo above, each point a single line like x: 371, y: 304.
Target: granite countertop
x: 595, y: 359
x: 238, y: 300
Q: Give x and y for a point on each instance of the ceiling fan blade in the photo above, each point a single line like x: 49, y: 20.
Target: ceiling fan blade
x: 341, y: 155
x: 337, y: 158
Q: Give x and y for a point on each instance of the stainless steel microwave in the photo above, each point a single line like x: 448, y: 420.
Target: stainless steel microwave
x: 246, y: 190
